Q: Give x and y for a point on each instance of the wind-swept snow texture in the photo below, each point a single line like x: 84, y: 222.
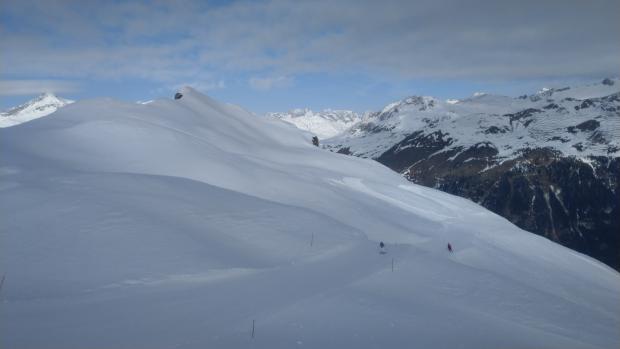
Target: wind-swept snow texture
x: 177, y: 224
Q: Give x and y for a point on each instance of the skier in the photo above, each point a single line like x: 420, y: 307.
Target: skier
x: 381, y: 247
x: 449, y: 247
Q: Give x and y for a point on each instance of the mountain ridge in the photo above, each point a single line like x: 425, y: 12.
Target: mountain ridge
x: 194, y: 221
x: 513, y: 156
x: 324, y: 124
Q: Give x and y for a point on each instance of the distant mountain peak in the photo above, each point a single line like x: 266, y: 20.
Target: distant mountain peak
x: 324, y: 124
x: 42, y: 105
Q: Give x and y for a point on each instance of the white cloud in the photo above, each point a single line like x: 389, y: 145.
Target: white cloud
x: 268, y: 83
x: 31, y: 87
x: 173, y: 41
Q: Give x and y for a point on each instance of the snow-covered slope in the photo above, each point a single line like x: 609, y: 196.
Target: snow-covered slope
x: 324, y: 124
x: 549, y: 162
x: 550, y: 118
x: 40, y: 106
x: 190, y: 224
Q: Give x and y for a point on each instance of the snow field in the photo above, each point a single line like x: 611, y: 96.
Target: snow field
x: 178, y: 223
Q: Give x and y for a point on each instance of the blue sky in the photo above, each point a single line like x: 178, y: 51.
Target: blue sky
x: 278, y: 55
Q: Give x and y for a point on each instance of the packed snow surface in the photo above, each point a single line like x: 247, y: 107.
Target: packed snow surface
x: 181, y: 223
x: 43, y: 105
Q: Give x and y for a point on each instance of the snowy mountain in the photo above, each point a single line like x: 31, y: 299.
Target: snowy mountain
x: 40, y: 106
x: 546, y: 161
x: 324, y: 124
x: 510, y: 124
x: 190, y: 223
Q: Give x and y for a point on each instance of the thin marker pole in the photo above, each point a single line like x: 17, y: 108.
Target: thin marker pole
x: 312, y: 240
x: 392, y: 265
x: 2, y: 281
x: 253, y: 321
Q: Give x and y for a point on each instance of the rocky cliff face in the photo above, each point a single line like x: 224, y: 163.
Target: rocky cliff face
x: 565, y: 199
x: 548, y: 162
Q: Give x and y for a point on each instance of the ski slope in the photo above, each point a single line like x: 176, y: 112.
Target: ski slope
x: 180, y: 223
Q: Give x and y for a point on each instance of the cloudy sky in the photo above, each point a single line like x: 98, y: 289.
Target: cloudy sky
x: 277, y: 55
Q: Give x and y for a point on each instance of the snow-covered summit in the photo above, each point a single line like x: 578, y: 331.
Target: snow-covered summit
x: 524, y: 158
x: 552, y: 117
x: 326, y: 123
x: 40, y: 106
x: 191, y: 223
x: 420, y: 103
x: 598, y: 89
